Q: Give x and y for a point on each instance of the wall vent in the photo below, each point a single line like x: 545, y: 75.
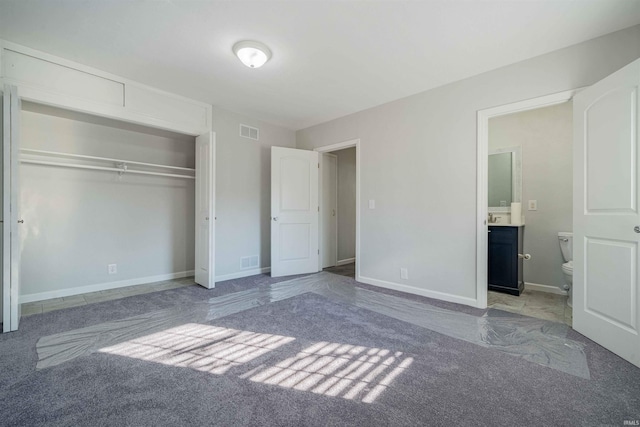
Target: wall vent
x: 249, y: 132
x: 249, y: 262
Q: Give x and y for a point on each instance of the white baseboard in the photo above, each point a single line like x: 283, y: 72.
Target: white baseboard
x: 41, y: 296
x: 544, y: 288
x: 419, y: 291
x: 243, y: 273
x: 345, y: 261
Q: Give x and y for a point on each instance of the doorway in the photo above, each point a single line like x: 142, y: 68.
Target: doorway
x: 55, y: 152
x: 338, y: 211
x: 482, y: 239
x: 339, y: 208
x: 530, y: 171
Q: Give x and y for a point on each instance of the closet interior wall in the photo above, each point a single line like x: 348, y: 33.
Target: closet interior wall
x: 77, y: 222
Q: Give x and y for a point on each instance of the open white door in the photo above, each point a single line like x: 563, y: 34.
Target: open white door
x: 606, y: 212
x: 328, y: 210
x: 10, y: 209
x: 294, y: 211
x: 205, y: 204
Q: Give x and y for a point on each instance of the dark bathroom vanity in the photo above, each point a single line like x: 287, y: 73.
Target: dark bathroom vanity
x: 505, y: 266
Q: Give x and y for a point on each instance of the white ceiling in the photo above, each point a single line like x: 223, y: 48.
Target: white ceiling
x: 330, y: 58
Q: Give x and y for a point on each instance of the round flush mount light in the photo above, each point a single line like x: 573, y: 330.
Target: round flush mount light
x: 252, y: 54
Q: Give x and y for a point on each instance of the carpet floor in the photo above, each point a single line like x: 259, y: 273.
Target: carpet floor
x: 304, y: 360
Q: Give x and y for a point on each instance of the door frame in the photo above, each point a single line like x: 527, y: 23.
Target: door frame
x: 482, y: 179
x: 336, y: 147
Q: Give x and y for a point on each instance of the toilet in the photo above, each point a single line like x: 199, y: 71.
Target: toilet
x: 566, y: 245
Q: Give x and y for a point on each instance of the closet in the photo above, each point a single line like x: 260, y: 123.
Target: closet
x: 103, y: 185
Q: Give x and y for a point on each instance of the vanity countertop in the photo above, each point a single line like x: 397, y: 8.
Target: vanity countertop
x: 503, y: 224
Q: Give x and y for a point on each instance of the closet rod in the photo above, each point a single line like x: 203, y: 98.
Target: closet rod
x: 104, y: 159
x: 102, y: 168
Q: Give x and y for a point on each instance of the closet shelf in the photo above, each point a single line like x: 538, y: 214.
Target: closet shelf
x: 121, y: 166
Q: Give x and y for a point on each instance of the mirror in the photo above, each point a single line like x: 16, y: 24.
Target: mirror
x: 505, y: 178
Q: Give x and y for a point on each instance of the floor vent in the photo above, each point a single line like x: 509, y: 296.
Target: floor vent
x: 249, y: 132
x: 249, y: 262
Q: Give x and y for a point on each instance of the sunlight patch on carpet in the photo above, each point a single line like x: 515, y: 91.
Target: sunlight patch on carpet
x: 337, y: 370
x: 204, y: 348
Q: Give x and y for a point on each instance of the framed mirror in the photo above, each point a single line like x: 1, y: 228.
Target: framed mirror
x: 505, y: 178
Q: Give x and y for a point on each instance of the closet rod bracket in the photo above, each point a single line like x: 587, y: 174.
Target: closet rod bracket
x: 122, y: 167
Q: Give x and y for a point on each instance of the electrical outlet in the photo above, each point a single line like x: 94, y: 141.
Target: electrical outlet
x: 533, y: 205
x: 404, y: 274
x: 113, y: 268
x: 372, y: 204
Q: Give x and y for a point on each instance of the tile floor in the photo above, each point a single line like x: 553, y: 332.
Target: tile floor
x: 93, y: 297
x: 542, y: 305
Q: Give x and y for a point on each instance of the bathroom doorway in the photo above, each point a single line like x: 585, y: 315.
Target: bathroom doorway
x: 526, y: 177
x: 338, y: 208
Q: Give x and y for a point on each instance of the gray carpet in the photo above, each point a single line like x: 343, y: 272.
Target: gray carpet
x: 305, y: 360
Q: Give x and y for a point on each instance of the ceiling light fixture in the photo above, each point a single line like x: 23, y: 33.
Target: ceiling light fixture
x: 252, y: 54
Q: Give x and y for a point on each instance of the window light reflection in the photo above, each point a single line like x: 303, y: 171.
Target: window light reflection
x: 330, y: 369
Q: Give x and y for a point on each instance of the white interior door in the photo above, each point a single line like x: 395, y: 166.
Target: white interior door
x: 329, y: 210
x: 205, y: 210
x: 12, y: 222
x: 606, y: 212
x: 294, y: 211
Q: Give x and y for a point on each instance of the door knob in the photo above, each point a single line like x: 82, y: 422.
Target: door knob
x: 275, y: 218
x: 21, y: 221
x: 636, y: 229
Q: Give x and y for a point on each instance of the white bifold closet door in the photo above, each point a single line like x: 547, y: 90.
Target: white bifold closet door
x: 606, y: 212
x: 205, y: 201
x: 11, y: 221
x: 294, y: 211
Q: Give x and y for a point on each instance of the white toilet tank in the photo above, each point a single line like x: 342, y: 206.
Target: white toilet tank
x: 566, y: 245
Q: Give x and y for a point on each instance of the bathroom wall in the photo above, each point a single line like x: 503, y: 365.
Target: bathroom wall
x: 545, y: 136
x: 346, y: 203
x: 418, y: 163
x: 243, y: 192
x: 76, y: 221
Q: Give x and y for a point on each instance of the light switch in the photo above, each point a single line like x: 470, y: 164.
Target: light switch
x: 372, y: 204
x: 533, y: 205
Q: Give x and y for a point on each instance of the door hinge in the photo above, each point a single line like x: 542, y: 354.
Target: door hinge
x: 318, y: 165
x: 318, y: 251
x: 318, y: 208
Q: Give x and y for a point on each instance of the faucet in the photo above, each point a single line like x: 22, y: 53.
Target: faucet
x: 492, y: 219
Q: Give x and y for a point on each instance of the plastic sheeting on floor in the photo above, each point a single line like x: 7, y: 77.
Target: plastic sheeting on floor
x: 535, y: 340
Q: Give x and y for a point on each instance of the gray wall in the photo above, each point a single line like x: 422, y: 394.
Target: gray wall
x: 346, y: 203
x: 546, y: 138
x: 78, y: 221
x: 243, y: 190
x: 419, y: 161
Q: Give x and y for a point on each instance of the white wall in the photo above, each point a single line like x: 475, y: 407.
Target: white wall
x: 546, y: 138
x: 76, y: 222
x: 346, y: 203
x: 243, y: 191
x: 418, y: 159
